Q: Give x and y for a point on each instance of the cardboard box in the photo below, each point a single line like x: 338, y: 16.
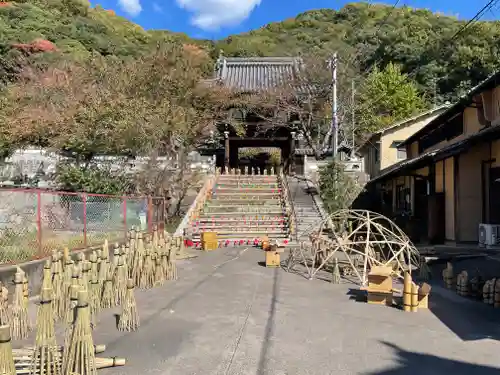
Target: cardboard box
x: 272, y: 259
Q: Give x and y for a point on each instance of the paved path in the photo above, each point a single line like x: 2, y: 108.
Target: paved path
x: 229, y: 315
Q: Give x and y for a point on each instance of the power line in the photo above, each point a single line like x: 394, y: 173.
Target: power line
x: 475, y: 19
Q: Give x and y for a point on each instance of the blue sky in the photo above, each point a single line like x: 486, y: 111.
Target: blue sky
x: 213, y: 19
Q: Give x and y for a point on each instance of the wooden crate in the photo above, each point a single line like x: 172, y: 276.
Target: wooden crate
x: 272, y: 259
x: 208, y: 237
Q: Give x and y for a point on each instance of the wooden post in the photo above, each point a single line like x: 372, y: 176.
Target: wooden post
x: 226, y: 151
x: 291, y: 162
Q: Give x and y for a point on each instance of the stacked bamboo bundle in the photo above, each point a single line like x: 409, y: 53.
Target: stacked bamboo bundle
x: 74, y: 292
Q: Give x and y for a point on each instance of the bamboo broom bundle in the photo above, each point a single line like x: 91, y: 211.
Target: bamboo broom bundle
x: 119, y: 281
x: 45, y: 359
x: 66, y: 284
x: 114, y: 263
x: 80, y: 357
x: 71, y: 313
x: 94, y: 266
x: 99, y: 259
x: 4, y: 301
x: 66, y: 258
x: 57, y: 286
x: 80, y: 257
x: 172, y: 266
x: 147, y: 278
x: 47, y: 275
x: 85, y: 279
x: 164, y: 256
x: 159, y: 271
x: 95, y: 300
x: 138, y: 260
x: 103, y: 269
x: 18, y: 312
x: 129, y: 318
x: 155, y: 237
x: 132, y: 250
x: 124, y: 254
x: 6, y: 359
x: 107, y: 300
x: 168, y: 272
x: 21, y: 365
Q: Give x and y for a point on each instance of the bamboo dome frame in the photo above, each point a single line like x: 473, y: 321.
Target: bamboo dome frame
x: 362, y: 238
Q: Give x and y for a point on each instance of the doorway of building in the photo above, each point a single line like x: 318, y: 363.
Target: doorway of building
x: 494, y: 195
x: 259, y: 159
x: 420, y: 208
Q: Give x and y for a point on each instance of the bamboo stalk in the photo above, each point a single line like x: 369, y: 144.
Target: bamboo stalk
x: 20, y: 367
x: 27, y: 351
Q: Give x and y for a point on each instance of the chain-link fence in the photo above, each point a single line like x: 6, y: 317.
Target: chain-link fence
x: 33, y: 222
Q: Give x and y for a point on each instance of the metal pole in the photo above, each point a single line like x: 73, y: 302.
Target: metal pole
x: 353, y: 114
x: 335, y: 128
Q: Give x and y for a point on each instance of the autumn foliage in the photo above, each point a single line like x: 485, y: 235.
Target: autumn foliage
x: 38, y: 45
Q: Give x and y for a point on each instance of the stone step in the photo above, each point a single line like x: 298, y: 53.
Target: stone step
x: 250, y: 220
x: 227, y: 229
x: 250, y: 233
x: 244, y: 200
x: 256, y: 193
x: 248, y: 185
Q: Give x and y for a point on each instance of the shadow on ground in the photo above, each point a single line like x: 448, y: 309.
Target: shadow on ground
x: 410, y: 363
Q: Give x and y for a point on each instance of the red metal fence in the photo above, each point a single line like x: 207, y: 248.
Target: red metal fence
x: 33, y: 221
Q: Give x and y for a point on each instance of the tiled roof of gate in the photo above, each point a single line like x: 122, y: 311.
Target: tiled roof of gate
x: 256, y: 73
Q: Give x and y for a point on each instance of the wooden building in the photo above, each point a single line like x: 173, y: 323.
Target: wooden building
x: 450, y: 182
x: 248, y: 75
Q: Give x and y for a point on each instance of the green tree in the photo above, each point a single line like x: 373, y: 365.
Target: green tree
x: 338, y: 189
x: 388, y: 96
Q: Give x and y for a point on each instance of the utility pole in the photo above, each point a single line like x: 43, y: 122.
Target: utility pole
x: 335, y: 125
x: 353, y: 114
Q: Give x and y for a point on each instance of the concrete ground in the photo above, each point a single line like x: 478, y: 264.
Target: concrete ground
x: 227, y: 314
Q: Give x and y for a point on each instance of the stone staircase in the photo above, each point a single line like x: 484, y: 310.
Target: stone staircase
x: 242, y: 209
x: 307, y: 213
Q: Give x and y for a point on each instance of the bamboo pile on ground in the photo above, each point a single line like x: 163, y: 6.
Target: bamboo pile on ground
x: 18, y: 310
x: 45, y: 359
x: 7, y: 366
x: 129, y: 318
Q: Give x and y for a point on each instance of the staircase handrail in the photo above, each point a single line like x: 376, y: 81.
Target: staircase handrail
x: 197, y: 204
x: 289, y: 206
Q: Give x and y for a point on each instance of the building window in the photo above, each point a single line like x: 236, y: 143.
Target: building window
x: 376, y: 152
x: 401, y: 153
